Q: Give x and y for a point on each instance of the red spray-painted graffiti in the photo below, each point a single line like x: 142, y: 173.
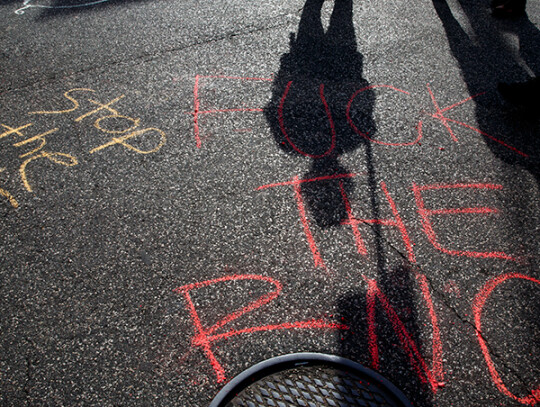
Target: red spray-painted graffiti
x: 397, y: 222
x: 319, y: 262
x: 425, y: 215
x: 328, y: 114
x: 444, y: 120
x: 197, y: 112
x: 205, y: 336
x: 478, y: 307
x: 434, y: 376
x: 365, y: 134
x: 438, y: 115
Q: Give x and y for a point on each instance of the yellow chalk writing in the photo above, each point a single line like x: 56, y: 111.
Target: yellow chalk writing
x: 40, y: 137
x: 51, y: 157
x: 67, y: 96
x: 122, y: 140
x: 8, y: 196
x: 124, y: 130
x: 97, y: 124
x: 11, y: 130
x: 101, y: 107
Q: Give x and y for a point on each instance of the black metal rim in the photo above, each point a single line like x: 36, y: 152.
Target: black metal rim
x: 262, y: 369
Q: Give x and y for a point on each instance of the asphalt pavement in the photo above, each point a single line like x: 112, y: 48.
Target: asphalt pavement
x: 190, y: 187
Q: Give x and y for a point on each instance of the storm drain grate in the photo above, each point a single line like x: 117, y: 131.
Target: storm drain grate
x: 309, y: 380
x: 314, y: 386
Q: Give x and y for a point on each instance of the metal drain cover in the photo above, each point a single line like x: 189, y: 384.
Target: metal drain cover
x: 309, y: 380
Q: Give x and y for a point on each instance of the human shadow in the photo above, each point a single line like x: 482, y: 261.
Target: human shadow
x: 310, y: 115
x: 385, y: 334
x: 307, y: 113
x: 486, y: 59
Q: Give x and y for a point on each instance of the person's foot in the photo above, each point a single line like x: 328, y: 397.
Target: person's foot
x: 524, y: 94
x: 508, y: 8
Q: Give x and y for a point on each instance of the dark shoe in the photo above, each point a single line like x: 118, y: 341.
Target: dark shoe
x: 525, y: 94
x: 508, y: 8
